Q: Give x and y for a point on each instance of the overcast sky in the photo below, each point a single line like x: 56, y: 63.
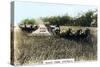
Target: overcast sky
x: 25, y: 10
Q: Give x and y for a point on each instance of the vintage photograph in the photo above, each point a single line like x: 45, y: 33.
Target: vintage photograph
x: 49, y: 31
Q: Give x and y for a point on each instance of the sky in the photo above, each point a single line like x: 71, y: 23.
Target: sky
x: 23, y: 10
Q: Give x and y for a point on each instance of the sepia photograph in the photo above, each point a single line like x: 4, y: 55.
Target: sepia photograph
x: 50, y: 31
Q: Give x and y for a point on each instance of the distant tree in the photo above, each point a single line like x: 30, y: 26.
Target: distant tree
x: 58, y: 20
x: 31, y: 21
x: 95, y: 18
x: 28, y: 21
x: 86, y: 19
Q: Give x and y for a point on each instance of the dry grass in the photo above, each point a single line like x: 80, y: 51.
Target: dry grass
x: 30, y: 50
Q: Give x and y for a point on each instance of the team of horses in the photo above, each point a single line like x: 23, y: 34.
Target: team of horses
x: 78, y: 35
x: 28, y: 28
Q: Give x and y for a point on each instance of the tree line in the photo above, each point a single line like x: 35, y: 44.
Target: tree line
x: 87, y: 19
